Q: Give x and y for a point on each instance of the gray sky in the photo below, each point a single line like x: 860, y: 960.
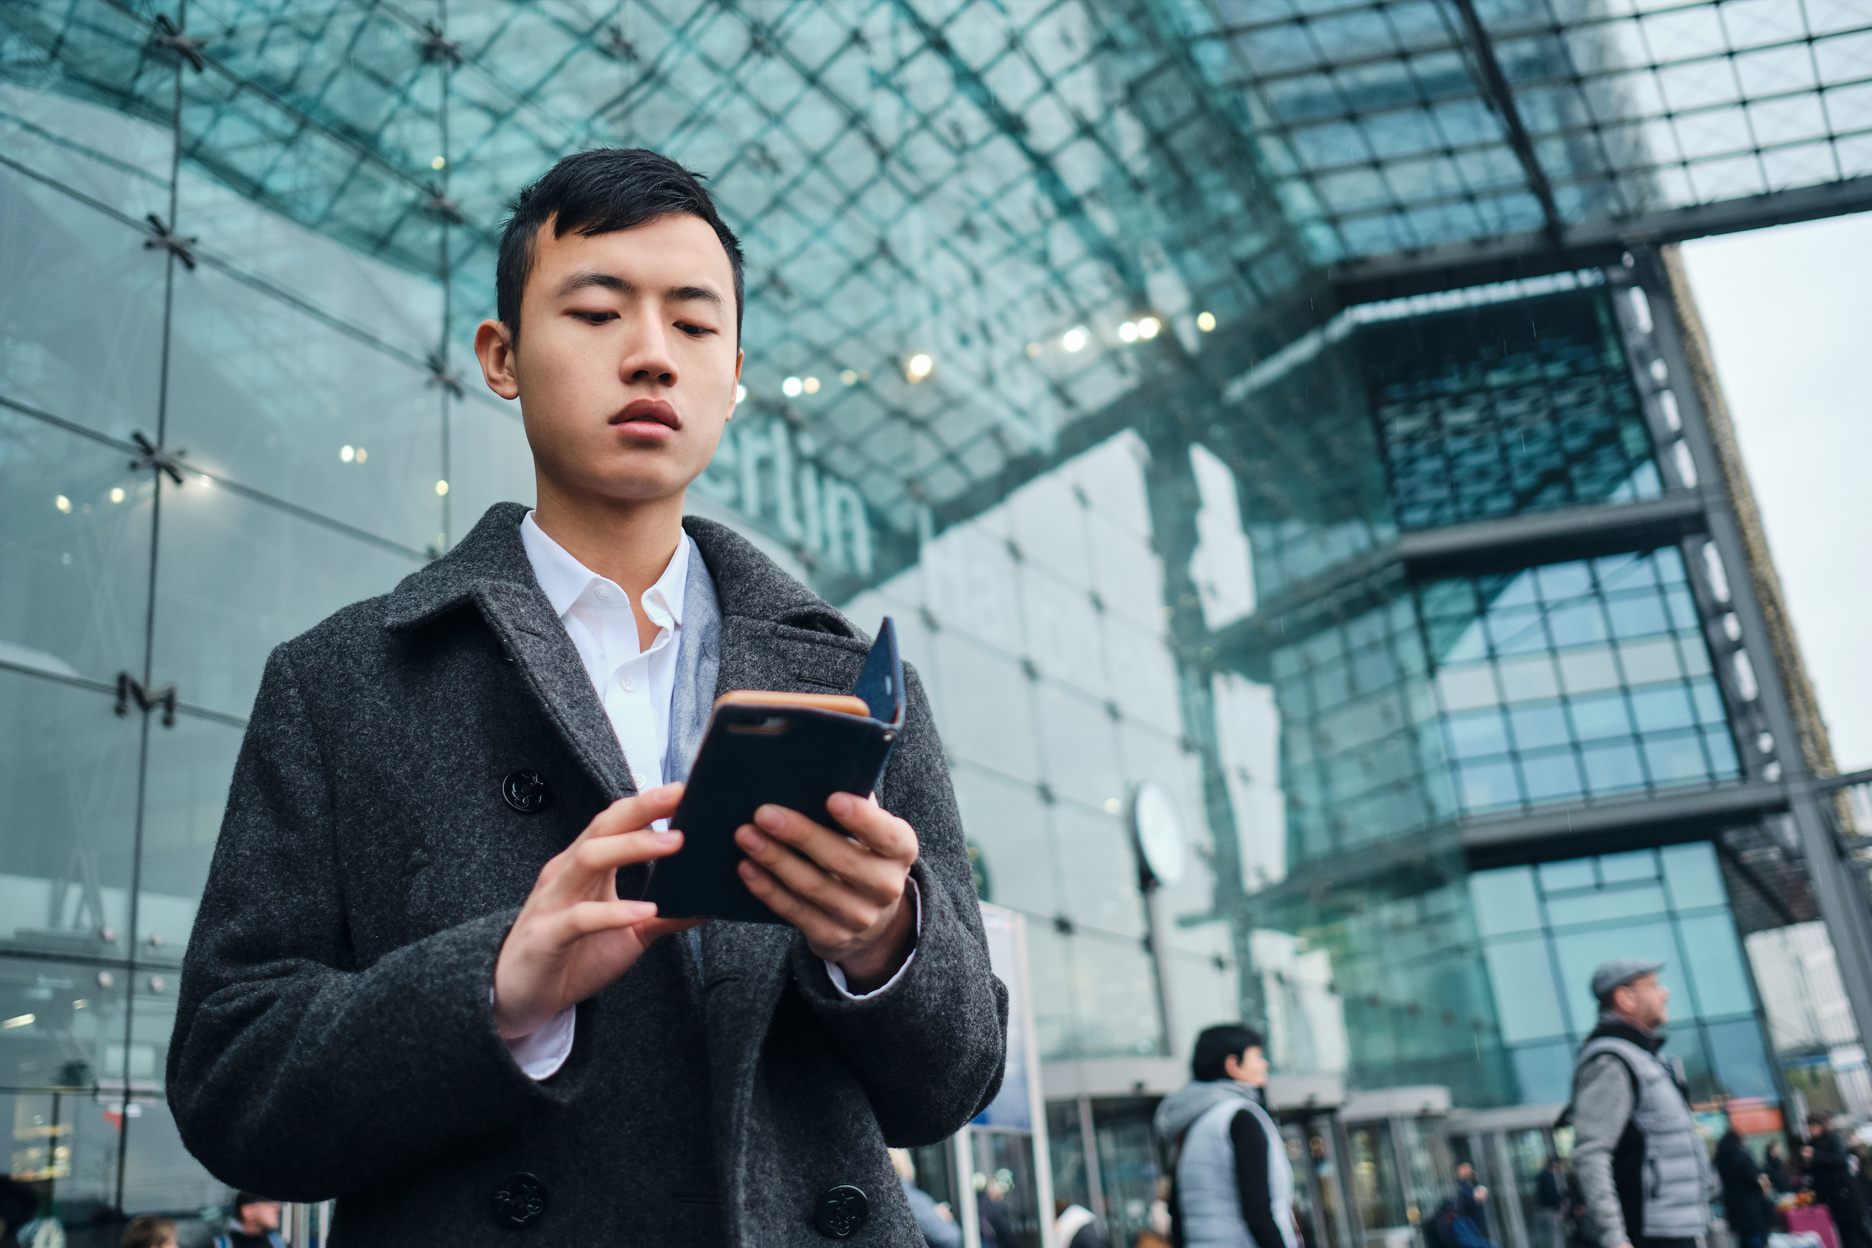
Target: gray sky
x: 1789, y: 314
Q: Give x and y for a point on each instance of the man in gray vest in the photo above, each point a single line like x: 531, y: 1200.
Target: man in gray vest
x: 1644, y: 1173
x: 1234, y: 1187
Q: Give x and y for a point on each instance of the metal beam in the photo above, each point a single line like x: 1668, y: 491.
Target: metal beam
x: 1653, y: 819
x: 1588, y: 244
x: 1495, y: 89
x: 1510, y: 542
x: 1548, y: 536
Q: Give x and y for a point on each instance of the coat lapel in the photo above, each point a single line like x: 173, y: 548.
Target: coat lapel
x: 490, y: 570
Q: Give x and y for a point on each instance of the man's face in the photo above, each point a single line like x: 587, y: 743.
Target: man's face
x: 1465, y: 1171
x: 627, y: 359
x: 263, y: 1215
x: 1643, y: 1000
x: 1250, y: 1068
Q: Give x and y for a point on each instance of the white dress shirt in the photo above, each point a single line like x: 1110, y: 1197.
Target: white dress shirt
x: 636, y: 686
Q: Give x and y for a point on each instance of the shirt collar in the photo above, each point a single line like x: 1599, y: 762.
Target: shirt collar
x: 563, y: 579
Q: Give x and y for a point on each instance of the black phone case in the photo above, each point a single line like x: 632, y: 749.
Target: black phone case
x: 792, y: 756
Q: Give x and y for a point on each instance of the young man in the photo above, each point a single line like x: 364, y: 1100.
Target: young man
x: 1645, y: 1177
x: 420, y: 981
x: 255, y: 1224
x: 1234, y: 1186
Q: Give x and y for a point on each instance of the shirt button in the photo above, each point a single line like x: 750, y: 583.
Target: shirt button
x: 602, y: 594
x: 628, y: 683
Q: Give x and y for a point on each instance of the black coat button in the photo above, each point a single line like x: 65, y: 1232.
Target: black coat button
x: 520, y: 1200
x: 526, y: 792
x: 841, y: 1211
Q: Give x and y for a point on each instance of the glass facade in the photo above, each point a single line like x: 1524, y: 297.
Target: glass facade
x: 1053, y: 357
x: 1545, y: 927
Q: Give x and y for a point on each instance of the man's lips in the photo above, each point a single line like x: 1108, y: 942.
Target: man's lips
x: 648, y: 411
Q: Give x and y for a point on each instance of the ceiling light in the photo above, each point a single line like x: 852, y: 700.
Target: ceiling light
x: 360, y: 455
x: 791, y: 387
x: 1205, y: 321
x: 849, y: 377
x: 18, y: 1020
x: 439, y: 162
x: 1128, y: 332
x: 441, y: 488
x: 347, y: 453
x: 1075, y: 338
x: 1148, y: 327
x: 117, y: 494
x: 811, y: 385
x: 63, y: 504
x: 919, y: 367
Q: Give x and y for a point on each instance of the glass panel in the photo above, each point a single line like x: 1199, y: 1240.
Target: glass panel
x: 1581, y: 951
x: 1741, y: 1061
x: 237, y: 577
x: 1127, y: 1153
x: 1693, y: 876
x: 66, y: 829
x: 74, y: 553
x: 1114, y: 995
x: 1715, y: 963
x: 190, y: 767
x: 1098, y: 871
x: 81, y: 323
x: 1526, y: 1001
x: 252, y: 398
x: 1009, y: 823
x: 1544, y: 1073
x: 1505, y: 901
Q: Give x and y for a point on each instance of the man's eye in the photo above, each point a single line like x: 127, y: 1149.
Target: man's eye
x: 694, y: 331
x: 595, y: 318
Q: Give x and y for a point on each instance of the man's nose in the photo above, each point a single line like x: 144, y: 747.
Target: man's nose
x: 647, y: 355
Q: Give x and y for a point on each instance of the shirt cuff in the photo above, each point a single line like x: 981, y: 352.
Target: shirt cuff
x: 838, y: 975
x: 541, y: 1053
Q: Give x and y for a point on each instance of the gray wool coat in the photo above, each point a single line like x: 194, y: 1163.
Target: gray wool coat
x: 334, y: 1035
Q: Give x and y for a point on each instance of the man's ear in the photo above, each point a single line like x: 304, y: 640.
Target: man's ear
x: 494, y: 347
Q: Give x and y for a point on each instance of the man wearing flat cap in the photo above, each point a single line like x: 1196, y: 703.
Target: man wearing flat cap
x: 1645, y: 1176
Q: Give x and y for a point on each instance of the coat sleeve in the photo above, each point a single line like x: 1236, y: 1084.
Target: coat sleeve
x: 286, y: 1051
x: 932, y: 1048
x: 1602, y: 1106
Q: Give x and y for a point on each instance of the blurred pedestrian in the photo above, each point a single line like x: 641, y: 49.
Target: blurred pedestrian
x: 149, y: 1231
x: 1234, y: 1186
x: 255, y: 1223
x: 1775, y: 1167
x: 997, y: 1221
x: 938, y: 1224
x: 1745, y: 1192
x: 1471, y: 1197
x: 1643, y: 1170
x: 1830, y: 1171
x: 1550, y: 1201
x: 1076, y: 1226
x: 18, y: 1203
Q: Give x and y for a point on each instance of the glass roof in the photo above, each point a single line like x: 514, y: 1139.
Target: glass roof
x: 1070, y: 216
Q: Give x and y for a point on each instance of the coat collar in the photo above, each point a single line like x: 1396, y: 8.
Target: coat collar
x: 766, y: 616
x: 491, y: 557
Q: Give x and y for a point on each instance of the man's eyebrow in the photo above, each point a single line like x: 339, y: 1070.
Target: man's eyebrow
x: 685, y: 294
x: 588, y: 278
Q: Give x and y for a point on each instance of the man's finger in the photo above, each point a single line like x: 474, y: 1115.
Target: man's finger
x: 611, y: 852
x: 852, y: 906
x: 588, y: 917
x: 834, y: 852
x: 819, y: 928
x: 629, y: 814
x: 882, y: 832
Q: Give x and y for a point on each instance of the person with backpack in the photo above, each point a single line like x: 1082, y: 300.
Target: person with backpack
x: 1643, y: 1171
x: 1234, y: 1187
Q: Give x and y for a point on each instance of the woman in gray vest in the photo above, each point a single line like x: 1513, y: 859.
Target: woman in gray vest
x: 1233, y: 1185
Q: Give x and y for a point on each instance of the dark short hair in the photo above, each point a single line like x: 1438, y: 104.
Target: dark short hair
x: 148, y: 1231
x: 243, y: 1199
x: 1219, y: 1043
x: 598, y: 192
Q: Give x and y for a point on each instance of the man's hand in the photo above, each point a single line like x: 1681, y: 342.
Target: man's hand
x: 573, y: 935
x: 844, y: 890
